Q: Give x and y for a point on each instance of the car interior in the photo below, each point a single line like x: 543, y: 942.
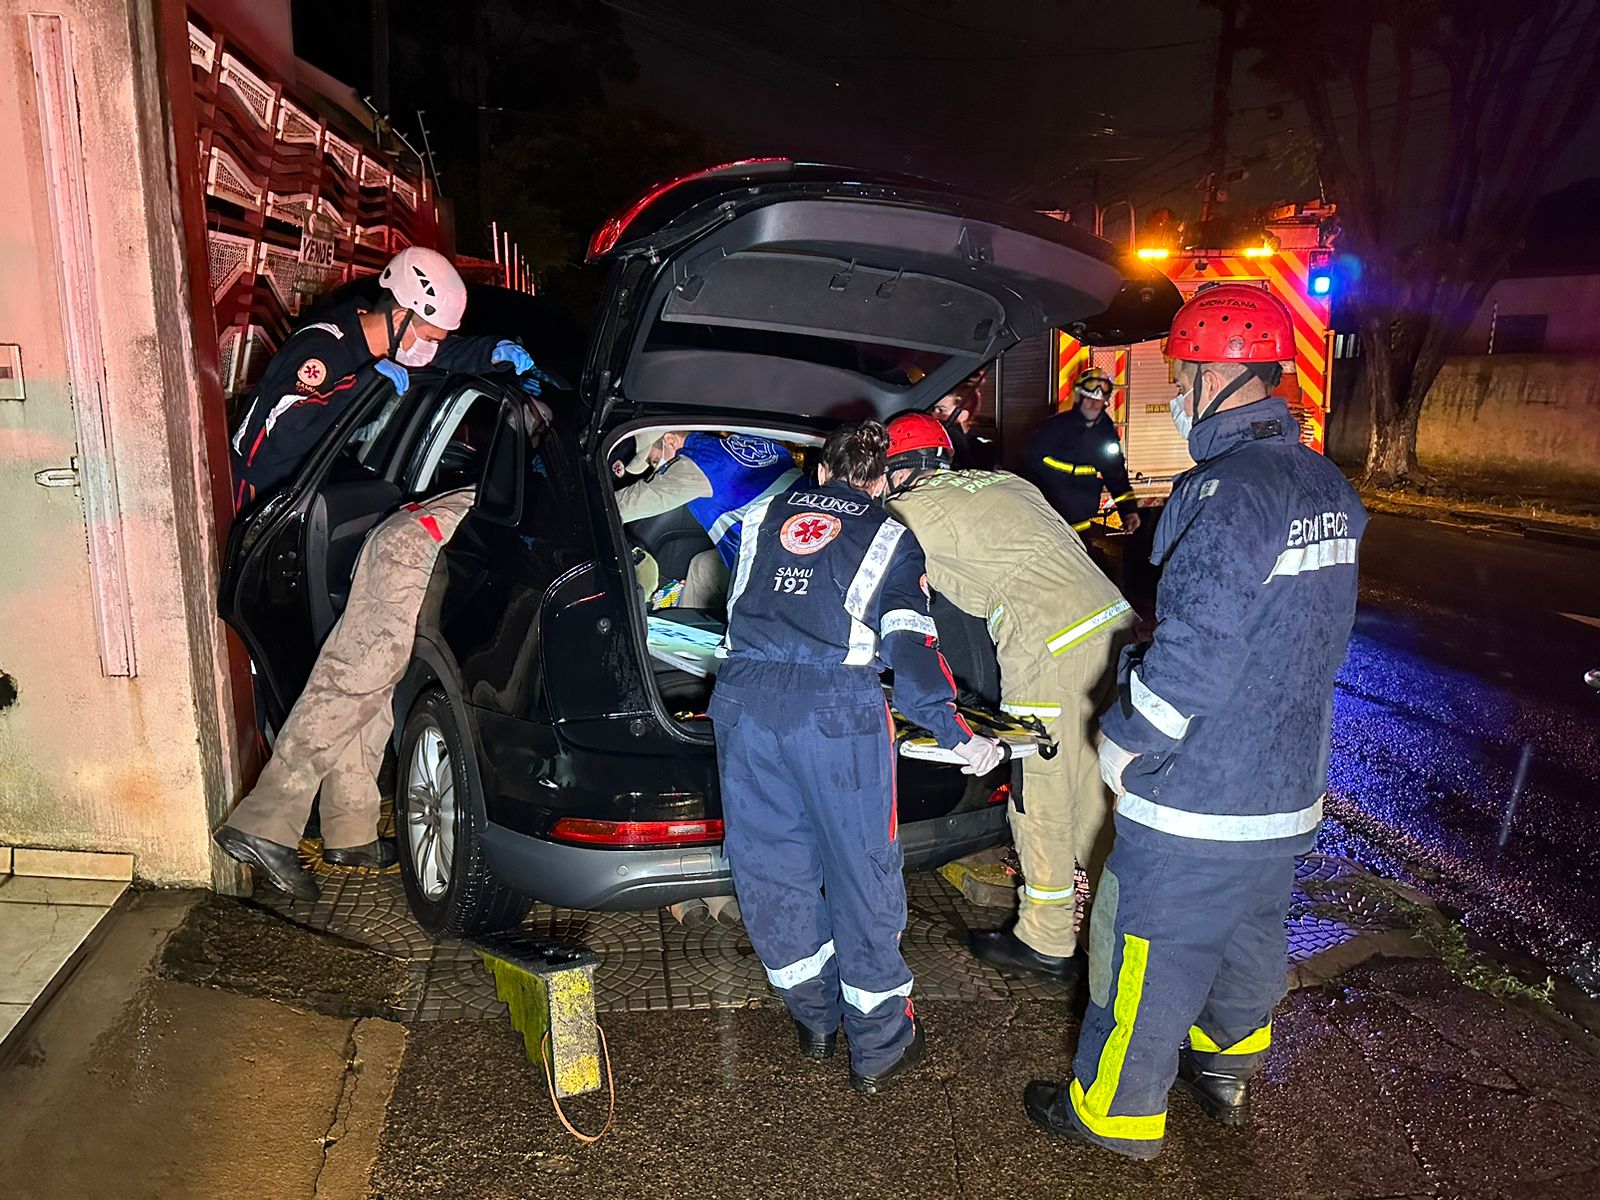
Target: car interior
x: 356, y: 495
x: 682, y: 641
x: 829, y: 310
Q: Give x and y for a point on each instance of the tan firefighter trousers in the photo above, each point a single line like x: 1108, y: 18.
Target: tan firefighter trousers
x: 335, y: 734
x: 1065, y: 817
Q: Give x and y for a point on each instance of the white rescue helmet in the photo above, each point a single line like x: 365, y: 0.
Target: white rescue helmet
x: 424, y: 282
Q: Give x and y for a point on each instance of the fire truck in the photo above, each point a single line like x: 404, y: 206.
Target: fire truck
x: 1291, y: 260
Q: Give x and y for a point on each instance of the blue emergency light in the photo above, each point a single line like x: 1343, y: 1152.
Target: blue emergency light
x: 1321, y: 282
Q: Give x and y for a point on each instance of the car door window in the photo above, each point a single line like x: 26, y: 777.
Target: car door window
x: 452, y: 451
x: 368, y: 446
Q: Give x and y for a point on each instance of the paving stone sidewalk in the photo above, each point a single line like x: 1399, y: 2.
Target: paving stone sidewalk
x: 649, y: 963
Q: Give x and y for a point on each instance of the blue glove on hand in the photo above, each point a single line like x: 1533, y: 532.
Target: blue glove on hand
x: 509, y: 353
x: 395, y: 374
x: 534, y: 381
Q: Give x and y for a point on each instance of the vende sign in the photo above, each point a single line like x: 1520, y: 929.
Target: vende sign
x: 316, y: 251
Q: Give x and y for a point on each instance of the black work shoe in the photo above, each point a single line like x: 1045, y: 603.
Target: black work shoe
x: 279, y: 864
x: 1045, y: 1102
x: 374, y: 855
x: 815, y: 1045
x: 871, y: 1085
x: 1004, y: 949
x: 1223, y: 1097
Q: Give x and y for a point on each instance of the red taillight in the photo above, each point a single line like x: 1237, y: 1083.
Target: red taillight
x: 636, y: 833
x: 1001, y: 794
x: 610, y: 233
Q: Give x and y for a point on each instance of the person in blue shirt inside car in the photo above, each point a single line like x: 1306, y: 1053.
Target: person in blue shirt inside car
x: 718, y: 477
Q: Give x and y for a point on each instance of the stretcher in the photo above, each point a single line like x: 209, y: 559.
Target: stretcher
x: 685, y: 641
x: 1019, y: 737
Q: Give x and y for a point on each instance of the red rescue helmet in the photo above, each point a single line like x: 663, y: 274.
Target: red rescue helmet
x: 918, y: 441
x: 918, y: 431
x: 1232, y: 323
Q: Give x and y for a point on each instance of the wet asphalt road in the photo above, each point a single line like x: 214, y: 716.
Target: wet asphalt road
x: 1466, y: 748
x: 1466, y: 745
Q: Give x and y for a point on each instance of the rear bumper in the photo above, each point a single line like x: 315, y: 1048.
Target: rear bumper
x: 587, y: 878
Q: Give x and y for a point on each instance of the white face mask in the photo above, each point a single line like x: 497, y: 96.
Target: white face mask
x: 1180, y: 416
x: 419, y: 354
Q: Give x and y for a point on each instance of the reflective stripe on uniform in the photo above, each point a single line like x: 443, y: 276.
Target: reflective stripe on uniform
x: 1069, y: 637
x: 1022, y: 709
x: 865, y: 1002
x: 863, y: 645
x: 238, y: 438
x: 1094, y: 1107
x: 909, y: 620
x: 741, y: 573
x: 858, y: 597
x: 1218, y: 827
x: 1121, y: 498
x: 732, y: 517
x: 1082, y: 525
x: 1055, y: 464
x: 1039, y: 895
x: 874, y: 565
x: 797, y: 973
x: 1331, y: 553
x: 1156, y: 710
x: 1252, y: 1043
x: 993, y: 622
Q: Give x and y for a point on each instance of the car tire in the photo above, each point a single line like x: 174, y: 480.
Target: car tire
x: 449, y: 885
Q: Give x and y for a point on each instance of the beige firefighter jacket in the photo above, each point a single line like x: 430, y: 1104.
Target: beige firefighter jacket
x: 997, y: 550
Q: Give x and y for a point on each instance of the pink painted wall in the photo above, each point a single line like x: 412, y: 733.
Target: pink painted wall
x: 141, y: 764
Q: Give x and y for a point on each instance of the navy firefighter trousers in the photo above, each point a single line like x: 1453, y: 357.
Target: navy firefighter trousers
x: 806, y: 761
x: 1181, y: 946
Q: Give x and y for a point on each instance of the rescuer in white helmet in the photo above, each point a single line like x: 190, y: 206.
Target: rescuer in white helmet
x: 323, y: 366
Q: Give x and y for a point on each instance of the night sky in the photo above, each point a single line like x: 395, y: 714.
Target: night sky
x: 1023, y: 99
x: 1046, y: 103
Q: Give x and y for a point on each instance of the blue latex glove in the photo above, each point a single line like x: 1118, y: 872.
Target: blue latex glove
x: 534, y: 381
x: 509, y: 353
x: 395, y: 374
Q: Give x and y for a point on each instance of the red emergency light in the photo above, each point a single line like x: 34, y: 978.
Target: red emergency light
x: 610, y: 233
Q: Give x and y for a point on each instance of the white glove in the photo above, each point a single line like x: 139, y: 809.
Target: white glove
x: 981, y: 755
x: 1114, y: 761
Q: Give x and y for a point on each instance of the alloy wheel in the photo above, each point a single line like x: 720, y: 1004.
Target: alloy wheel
x: 431, y: 812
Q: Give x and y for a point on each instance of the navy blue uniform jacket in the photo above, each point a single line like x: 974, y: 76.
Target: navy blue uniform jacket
x: 830, y: 584
x: 308, y: 383
x: 1230, y: 708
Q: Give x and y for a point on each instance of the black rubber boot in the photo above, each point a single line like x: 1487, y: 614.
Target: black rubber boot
x: 1223, y: 1097
x: 1002, y: 948
x: 280, y: 865
x: 871, y: 1085
x: 1046, y: 1104
x: 374, y: 855
x: 815, y: 1045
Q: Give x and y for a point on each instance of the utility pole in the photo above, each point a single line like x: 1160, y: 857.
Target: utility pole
x: 380, y: 57
x: 1217, y: 155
